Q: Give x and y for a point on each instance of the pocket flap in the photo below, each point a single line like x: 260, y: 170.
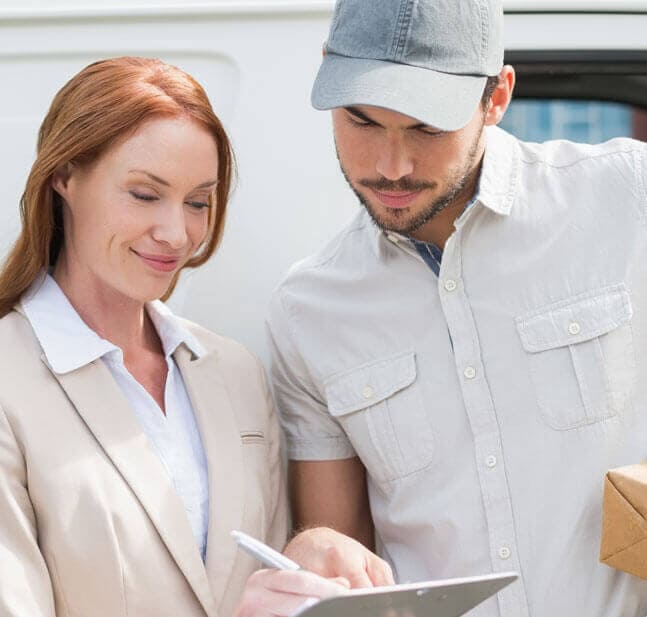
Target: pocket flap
x: 369, y: 383
x: 575, y: 319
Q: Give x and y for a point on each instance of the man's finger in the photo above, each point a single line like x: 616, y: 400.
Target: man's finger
x: 359, y: 579
x: 379, y: 572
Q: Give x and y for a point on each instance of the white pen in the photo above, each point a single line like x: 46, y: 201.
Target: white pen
x: 265, y: 554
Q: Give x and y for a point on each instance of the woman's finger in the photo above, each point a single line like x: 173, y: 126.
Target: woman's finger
x: 302, y: 583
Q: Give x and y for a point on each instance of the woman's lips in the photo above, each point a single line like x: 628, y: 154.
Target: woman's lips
x: 395, y: 199
x: 161, y: 263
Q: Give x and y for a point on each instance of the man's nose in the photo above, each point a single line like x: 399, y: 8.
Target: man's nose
x: 394, y: 161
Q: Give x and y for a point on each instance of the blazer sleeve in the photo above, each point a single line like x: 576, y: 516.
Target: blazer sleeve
x: 25, y: 586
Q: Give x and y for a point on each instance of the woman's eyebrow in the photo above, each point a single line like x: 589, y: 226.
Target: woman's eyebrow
x: 159, y: 180
x: 207, y: 184
x: 150, y: 175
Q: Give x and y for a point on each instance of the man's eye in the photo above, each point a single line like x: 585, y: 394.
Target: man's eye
x: 142, y: 196
x: 357, y: 122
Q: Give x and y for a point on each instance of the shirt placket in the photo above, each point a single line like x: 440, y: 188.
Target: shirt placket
x: 484, y: 424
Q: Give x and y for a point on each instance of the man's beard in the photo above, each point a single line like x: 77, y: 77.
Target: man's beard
x: 399, y: 221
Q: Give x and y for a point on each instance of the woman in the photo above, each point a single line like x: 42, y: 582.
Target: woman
x: 131, y: 441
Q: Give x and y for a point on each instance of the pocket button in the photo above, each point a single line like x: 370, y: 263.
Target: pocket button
x: 574, y: 328
x: 368, y: 392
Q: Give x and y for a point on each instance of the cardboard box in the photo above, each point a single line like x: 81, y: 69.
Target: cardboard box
x: 624, y: 520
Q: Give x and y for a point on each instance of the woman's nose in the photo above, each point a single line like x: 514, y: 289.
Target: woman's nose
x: 171, y: 227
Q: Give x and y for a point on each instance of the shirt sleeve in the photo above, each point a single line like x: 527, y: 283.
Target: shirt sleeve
x: 641, y: 160
x: 312, y: 434
x: 25, y: 586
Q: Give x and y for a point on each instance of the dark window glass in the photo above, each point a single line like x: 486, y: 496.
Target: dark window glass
x: 587, y: 96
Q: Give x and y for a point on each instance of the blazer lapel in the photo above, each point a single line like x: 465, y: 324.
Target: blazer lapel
x: 98, y: 399
x: 215, y: 413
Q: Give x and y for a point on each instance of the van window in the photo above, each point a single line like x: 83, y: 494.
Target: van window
x: 586, y: 96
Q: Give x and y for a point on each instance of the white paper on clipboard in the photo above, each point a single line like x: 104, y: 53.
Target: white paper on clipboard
x: 441, y: 598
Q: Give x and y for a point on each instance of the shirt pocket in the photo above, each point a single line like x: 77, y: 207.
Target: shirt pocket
x: 380, y: 406
x: 581, y: 357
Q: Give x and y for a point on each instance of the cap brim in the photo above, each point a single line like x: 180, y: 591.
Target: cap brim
x: 441, y: 100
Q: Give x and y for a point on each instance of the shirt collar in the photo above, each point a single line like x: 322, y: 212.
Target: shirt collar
x: 500, y: 171
x: 172, y: 331
x: 56, y: 323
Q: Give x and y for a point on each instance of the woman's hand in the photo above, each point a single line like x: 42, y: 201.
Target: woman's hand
x: 280, y: 593
x: 330, y: 554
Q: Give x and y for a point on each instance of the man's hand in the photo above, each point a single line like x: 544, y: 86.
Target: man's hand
x: 331, y: 554
x: 280, y: 593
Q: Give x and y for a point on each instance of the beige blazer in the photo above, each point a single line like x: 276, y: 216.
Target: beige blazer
x: 90, y: 525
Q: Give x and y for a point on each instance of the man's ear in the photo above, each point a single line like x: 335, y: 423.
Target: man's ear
x: 61, y: 178
x: 501, y: 96
x: 323, y: 50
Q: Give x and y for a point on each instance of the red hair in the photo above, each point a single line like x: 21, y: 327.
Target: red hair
x: 105, y: 102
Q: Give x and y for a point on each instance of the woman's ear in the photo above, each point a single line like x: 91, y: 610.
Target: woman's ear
x: 61, y: 178
x: 501, y: 96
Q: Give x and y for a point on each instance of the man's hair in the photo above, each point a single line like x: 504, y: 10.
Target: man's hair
x: 490, y: 86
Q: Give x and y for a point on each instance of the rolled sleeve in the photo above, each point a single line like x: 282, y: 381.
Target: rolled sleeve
x: 312, y: 434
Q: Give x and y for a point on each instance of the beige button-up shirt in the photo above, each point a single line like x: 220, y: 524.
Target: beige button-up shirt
x: 488, y: 402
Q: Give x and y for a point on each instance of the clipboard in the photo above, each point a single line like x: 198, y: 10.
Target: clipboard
x: 441, y: 598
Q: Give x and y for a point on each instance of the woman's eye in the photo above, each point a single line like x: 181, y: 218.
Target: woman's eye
x: 143, y: 196
x: 198, y: 205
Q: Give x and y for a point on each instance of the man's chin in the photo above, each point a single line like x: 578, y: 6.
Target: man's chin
x: 398, y: 221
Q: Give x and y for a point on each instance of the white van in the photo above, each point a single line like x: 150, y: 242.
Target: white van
x: 257, y: 59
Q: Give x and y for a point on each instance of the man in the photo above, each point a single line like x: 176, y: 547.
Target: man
x: 459, y: 367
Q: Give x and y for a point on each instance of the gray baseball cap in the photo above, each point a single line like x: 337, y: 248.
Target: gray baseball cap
x: 428, y: 59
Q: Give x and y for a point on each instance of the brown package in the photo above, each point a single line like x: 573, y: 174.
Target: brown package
x: 624, y: 520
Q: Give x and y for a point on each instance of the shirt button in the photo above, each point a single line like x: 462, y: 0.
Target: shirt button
x: 470, y: 372
x: 491, y: 461
x: 504, y: 552
x: 574, y: 328
x: 368, y: 392
x: 393, y: 238
x: 450, y: 285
